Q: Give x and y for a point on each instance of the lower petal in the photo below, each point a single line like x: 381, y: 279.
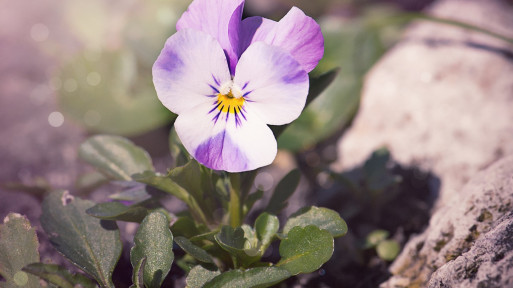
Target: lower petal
x: 225, y: 142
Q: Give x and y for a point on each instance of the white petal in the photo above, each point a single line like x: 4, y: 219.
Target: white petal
x: 226, y: 144
x: 273, y: 82
x: 189, y: 69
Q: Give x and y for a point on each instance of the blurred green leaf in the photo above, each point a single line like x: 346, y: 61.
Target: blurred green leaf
x: 91, y: 244
x: 111, y: 94
x: 178, y: 151
x: 18, y: 248
x: 375, y: 237
x: 305, y: 249
x: 193, y: 250
x: 135, y: 194
x: 59, y: 276
x: 376, y: 174
x: 353, y: 47
x: 199, y: 276
x: 323, y: 218
x: 283, y: 191
x: 388, y: 249
x: 115, y: 157
x: 251, y: 200
x: 138, y: 275
x: 260, y: 277
x: 153, y: 241
x: 118, y: 211
x: 266, y: 227
x: 186, y: 227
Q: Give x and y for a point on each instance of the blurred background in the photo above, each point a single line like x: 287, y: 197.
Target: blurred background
x: 71, y: 69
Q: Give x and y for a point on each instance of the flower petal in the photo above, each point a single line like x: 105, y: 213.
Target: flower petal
x: 219, y: 18
x: 224, y: 143
x: 273, y: 83
x: 254, y: 29
x: 188, y: 70
x: 299, y: 35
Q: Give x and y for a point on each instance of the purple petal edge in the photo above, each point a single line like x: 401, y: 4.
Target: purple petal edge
x: 210, y: 153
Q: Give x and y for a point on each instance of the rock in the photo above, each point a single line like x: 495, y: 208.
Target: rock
x: 441, y: 99
x: 469, y: 241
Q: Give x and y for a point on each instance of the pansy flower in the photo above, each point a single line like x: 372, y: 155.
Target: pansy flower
x: 228, y: 78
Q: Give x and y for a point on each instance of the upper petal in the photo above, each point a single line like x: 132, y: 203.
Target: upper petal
x: 222, y: 142
x: 219, y: 18
x: 188, y: 70
x: 301, y: 36
x: 273, y: 83
x: 254, y: 29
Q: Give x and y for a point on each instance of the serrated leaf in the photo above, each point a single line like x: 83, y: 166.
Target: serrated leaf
x: 193, y: 250
x: 153, y: 241
x: 260, y: 277
x: 388, y: 249
x: 283, y: 191
x: 199, y: 276
x: 59, y: 276
x: 118, y: 211
x: 91, y: 244
x: 115, y: 157
x: 18, y: 248
x: 137, y: 274
x: 305, y: 249
x: 266, y: 227
x: 323, y: 218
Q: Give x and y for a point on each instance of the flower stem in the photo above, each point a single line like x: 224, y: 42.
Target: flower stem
x: 235, y: 205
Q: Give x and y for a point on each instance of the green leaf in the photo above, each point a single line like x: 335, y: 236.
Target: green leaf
x: 18, y: 248
x: 90, y: 243
x: 266, y: 227
x: 136, y: 194
x: 377, y: 176
x: 283, y: 191
x: 323, y: 218
x: 59, y: 276
x: 234, y: 242
x: 199, y: 276
x: 167, y: 185
x: 388, y: 249
x: 305, y: 249
x: 178, y: 151
x: 260, y: 277
x: 193, y: 250
x: 137, y: 274
x: 250, y: 201
x: 109, y: 94
x: 375, y: 237
x: 118, y: 211
x: 154, y: 242
x: 115, y: 157
x: 186, y: 227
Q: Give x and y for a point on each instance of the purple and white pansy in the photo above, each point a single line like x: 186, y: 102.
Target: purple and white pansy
x: 228, y: 78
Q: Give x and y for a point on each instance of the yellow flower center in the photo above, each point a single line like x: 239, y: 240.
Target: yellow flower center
x: 230, y: 98
x: 228, y: 103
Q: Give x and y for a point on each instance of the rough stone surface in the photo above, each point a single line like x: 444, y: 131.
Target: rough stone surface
x: 442, y: 98
x: 469, y: 242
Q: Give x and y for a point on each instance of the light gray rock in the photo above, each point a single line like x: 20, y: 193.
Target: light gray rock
x: 469, y: 242
x: 442, y: 98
